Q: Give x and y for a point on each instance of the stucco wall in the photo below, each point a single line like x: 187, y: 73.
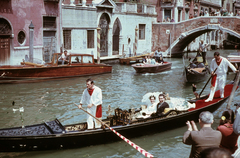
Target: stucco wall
x: 80, y: 19
x: 129, y: 23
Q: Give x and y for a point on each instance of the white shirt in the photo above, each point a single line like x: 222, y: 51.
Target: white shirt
x: 203, y: 47
x: 150, y: 109
x: 62, y: 57
x: 222, y: 68
x: 95, y: 98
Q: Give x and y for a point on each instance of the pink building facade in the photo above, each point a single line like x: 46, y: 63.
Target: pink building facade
x: 15, y: 18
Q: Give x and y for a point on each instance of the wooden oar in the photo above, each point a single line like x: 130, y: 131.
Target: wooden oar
x: 142, y: 151
x: 236, y: 81
x: 207, y: 83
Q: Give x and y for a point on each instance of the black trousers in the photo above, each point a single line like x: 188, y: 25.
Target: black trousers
x: 204, y: 57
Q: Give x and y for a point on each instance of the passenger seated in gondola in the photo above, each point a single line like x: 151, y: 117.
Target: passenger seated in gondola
x: 150, y: 108
x: 197, y: 62
x: 162, y: 105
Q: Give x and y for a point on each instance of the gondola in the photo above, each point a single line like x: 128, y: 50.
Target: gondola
x: 54, y: 135
x: 77, y: 65
x: 152, y: 68
x: 196, y: 70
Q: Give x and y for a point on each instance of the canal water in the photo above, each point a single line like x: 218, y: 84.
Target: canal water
x: 122, y: 88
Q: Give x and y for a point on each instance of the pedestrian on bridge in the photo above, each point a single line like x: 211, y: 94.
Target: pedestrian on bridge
x: 201, y: 13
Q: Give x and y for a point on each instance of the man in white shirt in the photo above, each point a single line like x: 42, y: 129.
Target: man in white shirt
x: 203, y: 48
x: 158, y: 55
x: 63, y: 57
x: 219, y: 76
x: 92, y: 96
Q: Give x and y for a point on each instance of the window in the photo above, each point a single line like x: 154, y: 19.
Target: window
x: 167, y: 14
x: 67, y: 39
x: 141, y: 31
x: 90, y: 38
x: 76, y: 59
x: 87, y: 59
x: 21, y: 37
x: 49, y: 22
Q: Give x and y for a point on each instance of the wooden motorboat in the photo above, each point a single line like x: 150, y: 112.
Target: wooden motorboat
x: 54, y: 135
x: 196, y: 71
x: 234, y: 58
x: 77, y: 65
x: 152, y: 68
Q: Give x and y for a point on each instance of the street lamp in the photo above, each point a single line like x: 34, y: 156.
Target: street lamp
x: 31, y: 39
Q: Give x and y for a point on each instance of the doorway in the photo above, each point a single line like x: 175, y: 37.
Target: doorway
x: 5, y: 33
x: 116, y: 34
x: 104, y: 25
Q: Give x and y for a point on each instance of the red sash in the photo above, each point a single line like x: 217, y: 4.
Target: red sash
x: 218, y: 62
x: 99, y: 107
x: 214, y: 78
x: 99, y: 111
x: 213, y: 81
x: 90, y: 91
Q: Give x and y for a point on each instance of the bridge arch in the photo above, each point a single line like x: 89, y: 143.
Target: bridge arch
x: 186, y: 38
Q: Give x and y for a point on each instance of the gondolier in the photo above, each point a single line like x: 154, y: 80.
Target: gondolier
x: 92, y: 96
x: 219, y: 77
x: 158, y: 55
x: 203, y: 48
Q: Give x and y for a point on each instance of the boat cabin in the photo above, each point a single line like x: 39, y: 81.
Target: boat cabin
x: 73, y: 59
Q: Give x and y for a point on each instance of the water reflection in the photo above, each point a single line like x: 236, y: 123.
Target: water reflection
x: 122, y: 88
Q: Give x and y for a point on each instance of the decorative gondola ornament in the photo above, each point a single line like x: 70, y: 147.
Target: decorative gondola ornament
x: 139, y: 149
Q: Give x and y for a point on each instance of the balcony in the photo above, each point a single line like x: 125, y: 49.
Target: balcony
x: 135, y: 8
x: 166, y: 1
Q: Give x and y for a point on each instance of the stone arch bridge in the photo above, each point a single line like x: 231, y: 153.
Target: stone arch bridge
x: 183, y: 33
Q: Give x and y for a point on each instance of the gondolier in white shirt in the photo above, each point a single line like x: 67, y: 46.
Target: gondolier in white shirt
x: 203, y: 49
x: 92, y: 96
x: 219, y: 77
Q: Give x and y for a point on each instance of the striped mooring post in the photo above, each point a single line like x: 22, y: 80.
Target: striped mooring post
x: 98, y: 45
x: 136, y: 41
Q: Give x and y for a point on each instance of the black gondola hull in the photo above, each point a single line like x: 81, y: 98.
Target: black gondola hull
x: 195, y: 76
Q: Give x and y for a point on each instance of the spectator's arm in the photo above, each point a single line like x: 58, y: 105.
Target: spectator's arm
x: 187, y: 138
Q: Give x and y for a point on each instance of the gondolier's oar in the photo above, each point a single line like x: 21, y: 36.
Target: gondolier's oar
x: 142, y: 151
x: 236, y: 81
x: 207, y: 83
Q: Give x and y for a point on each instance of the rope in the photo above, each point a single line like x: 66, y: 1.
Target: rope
x: 142, y: 151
